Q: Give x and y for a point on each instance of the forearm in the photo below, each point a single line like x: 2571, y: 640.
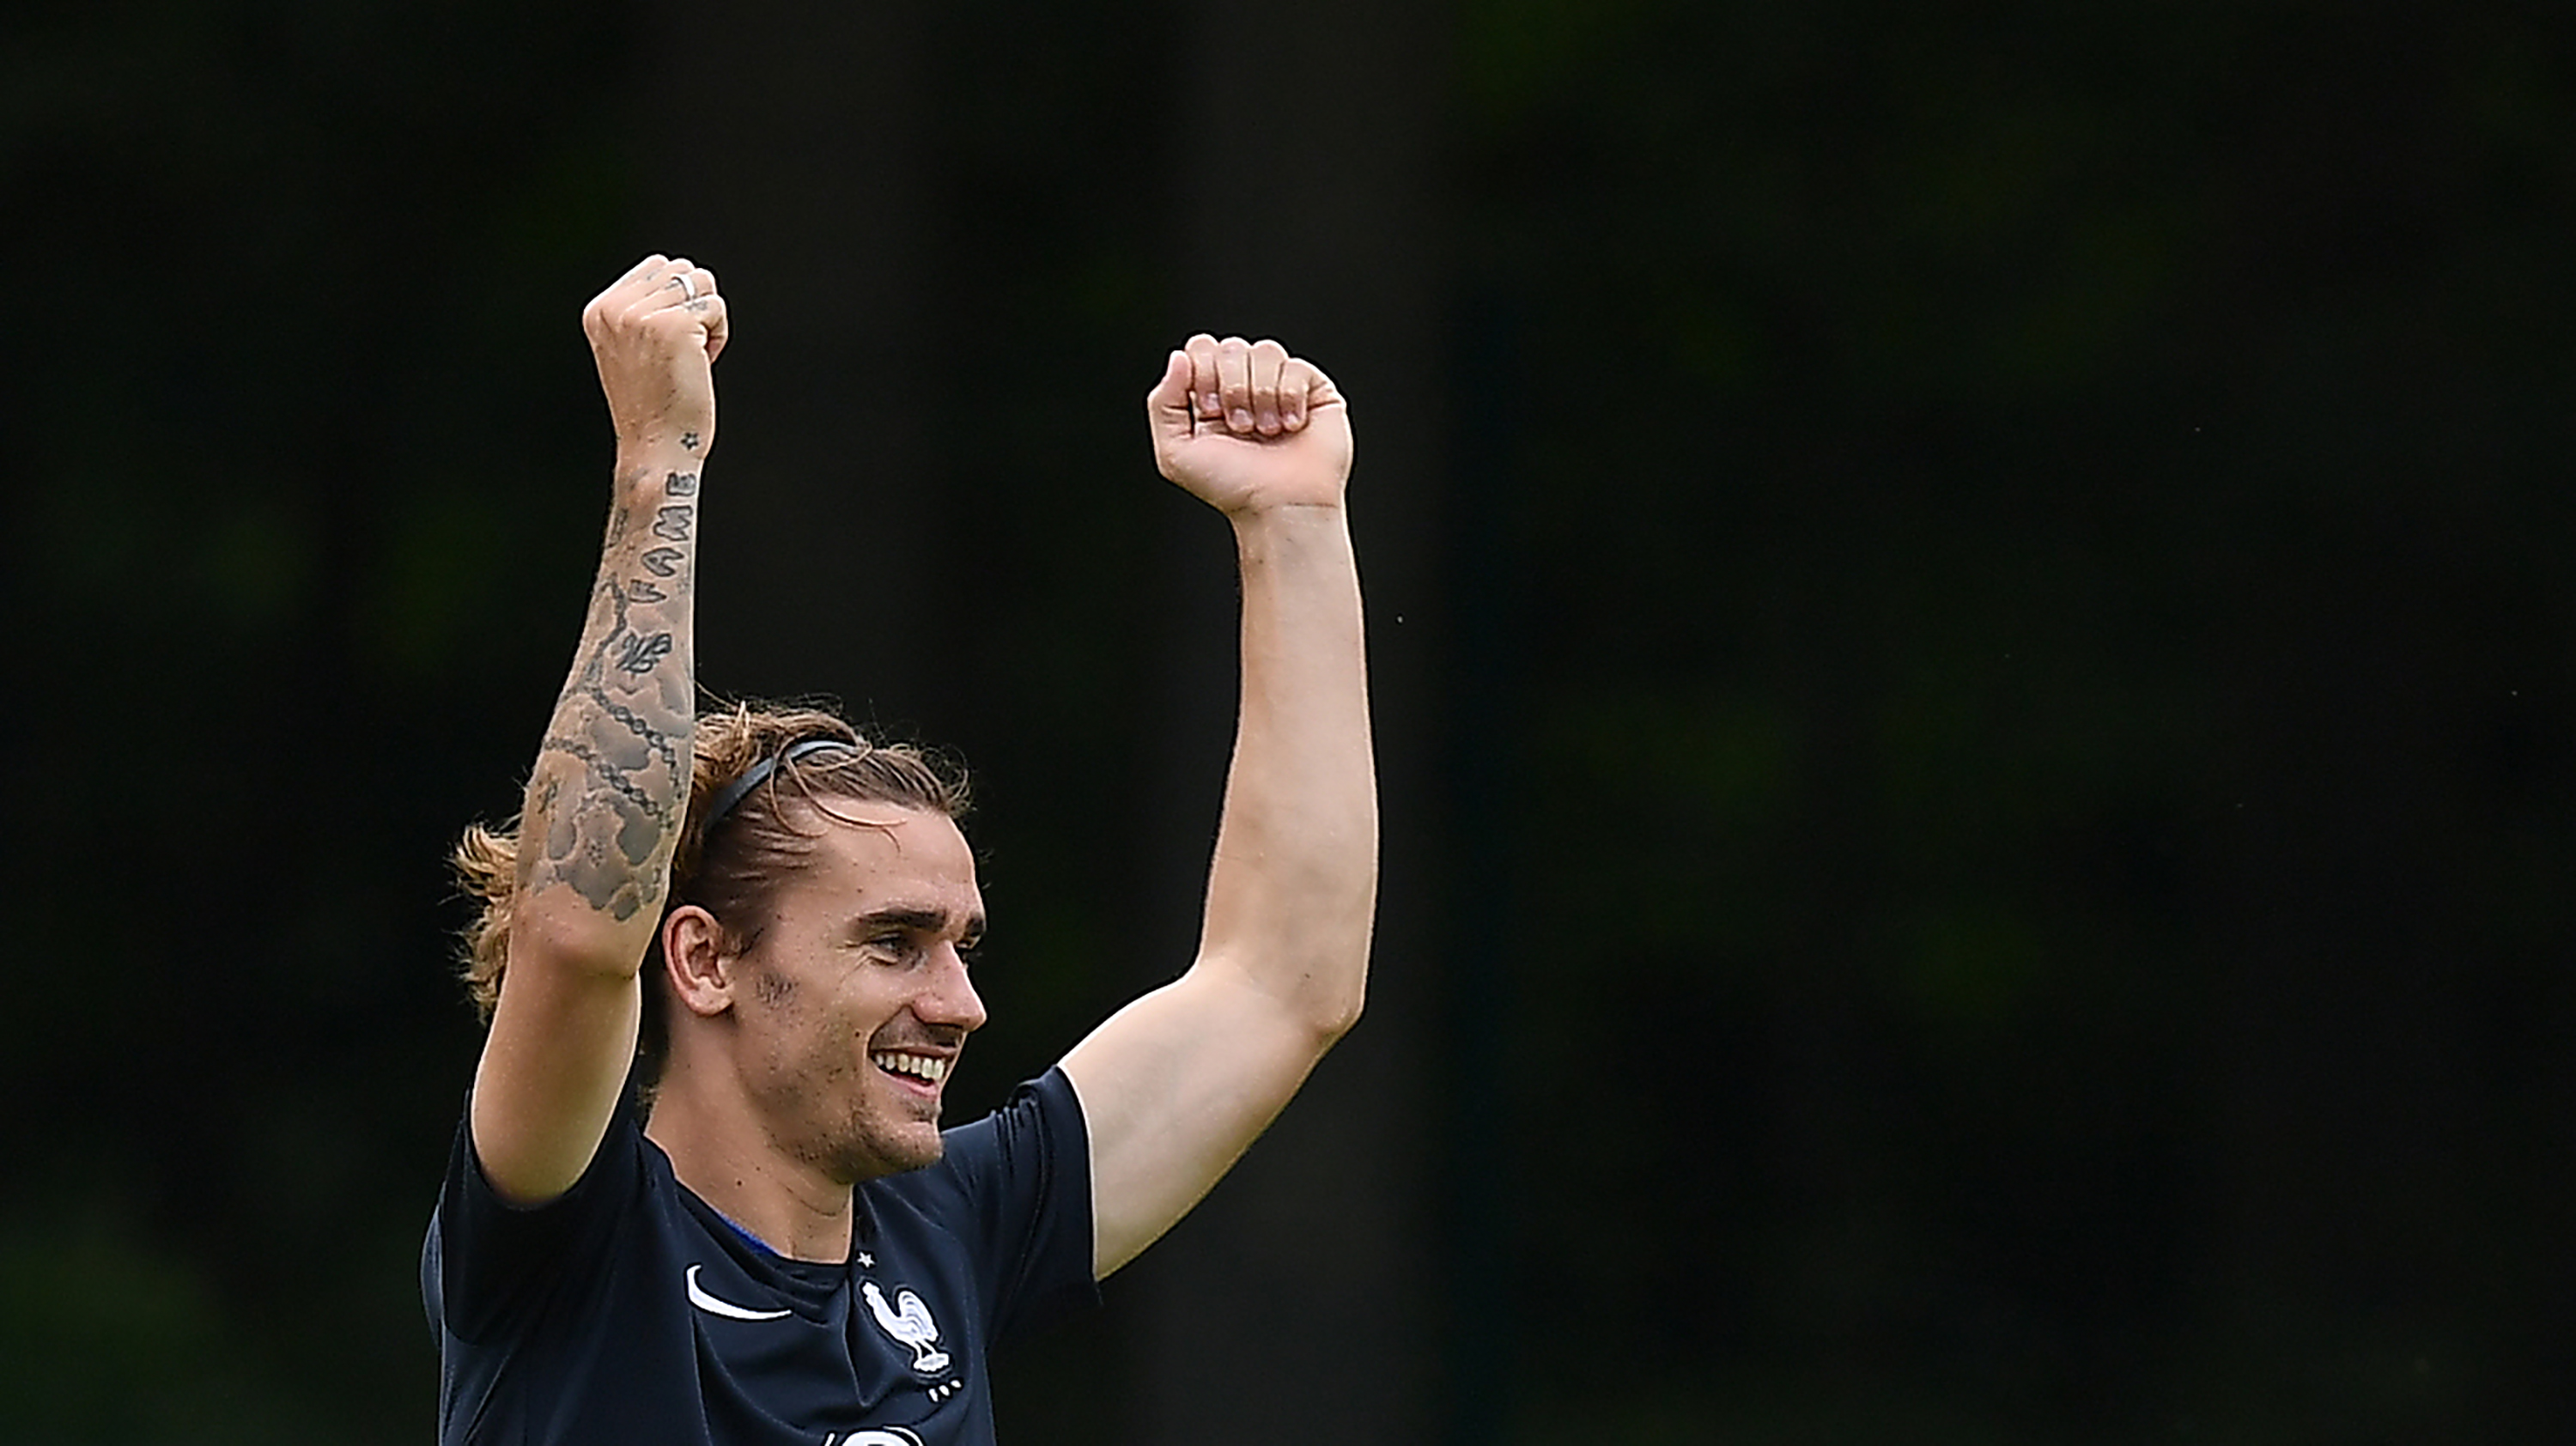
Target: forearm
x: 1292, y: 892
x: 604, y: 802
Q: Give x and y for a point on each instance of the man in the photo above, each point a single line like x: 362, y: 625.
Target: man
x: 701, y: 1193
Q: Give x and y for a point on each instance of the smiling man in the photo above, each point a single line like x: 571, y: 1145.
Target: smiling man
x: 702, y: 1192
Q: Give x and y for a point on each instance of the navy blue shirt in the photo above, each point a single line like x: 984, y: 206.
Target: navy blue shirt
x: 629, y: 1311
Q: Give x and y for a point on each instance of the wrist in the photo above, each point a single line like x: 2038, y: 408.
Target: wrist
x: 1281, y: 532
x: 645, y: 467
x: 1270, y: 515
x: 1284, y: 511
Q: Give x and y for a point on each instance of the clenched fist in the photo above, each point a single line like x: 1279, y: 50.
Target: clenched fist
x: 1245, y: 427
x: 656, y: 332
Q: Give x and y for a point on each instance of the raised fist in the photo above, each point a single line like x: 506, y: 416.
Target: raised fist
x: 656, y: 332
x: 1245, y: 427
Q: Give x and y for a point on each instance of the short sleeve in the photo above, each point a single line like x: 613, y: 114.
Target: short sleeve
x: 487, y: 1262
x: 1024, y: 1177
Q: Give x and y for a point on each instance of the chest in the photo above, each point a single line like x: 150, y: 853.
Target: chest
x: 891, y: 1343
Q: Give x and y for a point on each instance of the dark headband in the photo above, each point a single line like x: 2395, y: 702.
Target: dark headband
x: 757, y: 774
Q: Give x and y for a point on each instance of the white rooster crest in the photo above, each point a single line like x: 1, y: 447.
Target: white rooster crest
x: 909, y: 1322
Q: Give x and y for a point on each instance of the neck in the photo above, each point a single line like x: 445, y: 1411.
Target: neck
x: 727, y: 1156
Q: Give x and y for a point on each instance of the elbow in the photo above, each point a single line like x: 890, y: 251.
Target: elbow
x: 1308, y: 952
x: 1333, y: 1001
x: 1316, y: 999
x: 1336, y: 976
x: 1337, y: 1016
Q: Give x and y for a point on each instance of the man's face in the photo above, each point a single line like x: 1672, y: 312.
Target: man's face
x: 854, y: 1002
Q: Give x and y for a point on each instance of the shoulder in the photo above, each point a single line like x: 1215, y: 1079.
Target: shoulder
x: 488, y: 1261
x: 1036, y: 1133
x: 1008, y: 1206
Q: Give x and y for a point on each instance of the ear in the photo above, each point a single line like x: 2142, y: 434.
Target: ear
x: 695, y: 957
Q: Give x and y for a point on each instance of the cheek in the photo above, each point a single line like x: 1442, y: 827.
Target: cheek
x: 774, y: 990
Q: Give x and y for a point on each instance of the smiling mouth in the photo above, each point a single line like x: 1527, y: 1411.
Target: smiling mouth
x: 926, y: 1069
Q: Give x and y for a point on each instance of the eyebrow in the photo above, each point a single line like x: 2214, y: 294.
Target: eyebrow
x: 913, y: 916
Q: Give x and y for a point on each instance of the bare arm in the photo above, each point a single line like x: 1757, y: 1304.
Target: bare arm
x: 604, y: 802
x: 1178, y: 1084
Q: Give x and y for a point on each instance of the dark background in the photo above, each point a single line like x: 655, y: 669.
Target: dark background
x: 1970, y: 624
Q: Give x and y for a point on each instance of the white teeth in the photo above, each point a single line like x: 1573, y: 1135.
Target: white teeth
x: 919, y: 1066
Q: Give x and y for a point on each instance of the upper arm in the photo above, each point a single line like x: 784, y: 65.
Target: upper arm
x: 561, y: 1044
x: 1174, y: 1088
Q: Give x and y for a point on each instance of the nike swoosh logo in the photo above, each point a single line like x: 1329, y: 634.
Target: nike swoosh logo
x: 725, y: 1308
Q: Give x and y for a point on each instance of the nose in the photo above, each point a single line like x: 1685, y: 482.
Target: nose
x: 949, y: 996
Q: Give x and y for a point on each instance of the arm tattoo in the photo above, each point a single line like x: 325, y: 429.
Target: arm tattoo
x: 638, y: 654
x: 611, y: 783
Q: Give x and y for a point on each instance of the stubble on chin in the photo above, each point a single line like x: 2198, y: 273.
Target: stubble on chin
x: 877, y: 1148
